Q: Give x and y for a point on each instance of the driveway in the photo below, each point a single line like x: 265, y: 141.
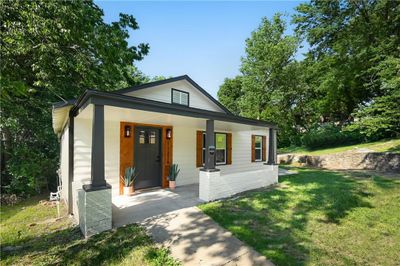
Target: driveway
x: 175, y: 222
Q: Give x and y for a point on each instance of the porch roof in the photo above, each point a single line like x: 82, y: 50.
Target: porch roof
x: 60, y: 111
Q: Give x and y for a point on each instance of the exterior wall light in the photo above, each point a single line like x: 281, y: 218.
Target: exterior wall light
x: 127, y: 131
x: 169, y: 133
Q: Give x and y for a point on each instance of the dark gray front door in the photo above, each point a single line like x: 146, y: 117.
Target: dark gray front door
x: 147, y: 157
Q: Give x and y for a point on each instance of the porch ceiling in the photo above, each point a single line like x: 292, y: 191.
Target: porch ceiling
x: 112, y: 113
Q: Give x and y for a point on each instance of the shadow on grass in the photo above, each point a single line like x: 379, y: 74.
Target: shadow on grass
x: 66, y: 247
x: 274, y: 221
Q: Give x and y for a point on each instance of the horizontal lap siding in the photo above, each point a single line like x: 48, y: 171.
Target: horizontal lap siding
x: 184, y: 154
x: 241, y: 152
x: 82, y: 158
x: 111, y: 148
x: 82, y: 155
x: 162, y: 93
x: 64, y: 165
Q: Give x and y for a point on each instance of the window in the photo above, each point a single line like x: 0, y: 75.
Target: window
x: 152, y: 137
x: 258, y: 148
x: 147, y: 137
x: 220, y: 148
x: 179, y: 97
x: 142, y: 137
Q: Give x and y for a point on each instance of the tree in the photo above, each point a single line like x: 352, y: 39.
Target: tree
x: 380, y: 118
x: 348, y: 40
x: 230, y: 93
x: 54, y: 50
x: 349, y: 78
x: 271, y: 86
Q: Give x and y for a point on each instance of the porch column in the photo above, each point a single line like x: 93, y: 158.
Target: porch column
x: 272, y: 149
x: 94, y: 200
x: 209, y: 163
x: 209, y: 174
x: 97, y: 178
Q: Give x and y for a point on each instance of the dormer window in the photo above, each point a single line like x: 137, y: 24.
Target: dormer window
x: 179, y: 97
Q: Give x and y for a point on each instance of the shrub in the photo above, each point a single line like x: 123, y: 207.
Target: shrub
x: 329, y: 135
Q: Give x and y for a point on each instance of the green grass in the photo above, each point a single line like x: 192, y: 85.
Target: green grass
x: 44, y: 240
x: 378, y: 146
x: 318, y: 218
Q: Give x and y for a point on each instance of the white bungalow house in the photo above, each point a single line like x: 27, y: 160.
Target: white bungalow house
x: 150, y: 127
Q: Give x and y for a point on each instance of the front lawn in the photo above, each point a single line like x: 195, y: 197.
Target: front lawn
x: 318, y: 218
x: 31, y: 235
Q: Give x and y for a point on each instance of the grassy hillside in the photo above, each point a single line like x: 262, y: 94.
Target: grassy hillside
x: 392, y: 145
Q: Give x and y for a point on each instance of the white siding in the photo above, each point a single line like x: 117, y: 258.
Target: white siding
x: 64, y: 164
x: 162, y: 93
x: 82, y: 155
x: 111, y: 150
x: 184, y: 154
x: 241, y: 152
x: 82, y: 158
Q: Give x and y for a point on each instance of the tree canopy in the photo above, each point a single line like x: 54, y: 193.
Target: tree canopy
x: 349, y: 77
x: 51, y: 51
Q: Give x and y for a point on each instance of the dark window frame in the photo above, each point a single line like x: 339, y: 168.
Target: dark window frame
x: 226, y: 148
x: 181, y: 91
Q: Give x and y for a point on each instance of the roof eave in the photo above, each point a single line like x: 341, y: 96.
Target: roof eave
x: 124, y: 101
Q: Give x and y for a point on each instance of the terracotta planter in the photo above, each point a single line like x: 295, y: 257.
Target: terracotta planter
x: 128, y: 191
x: 172, y: 185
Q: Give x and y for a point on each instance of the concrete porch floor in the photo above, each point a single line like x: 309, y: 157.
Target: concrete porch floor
x: 149, y: 203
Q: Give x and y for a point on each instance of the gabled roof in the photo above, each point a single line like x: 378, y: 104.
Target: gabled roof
x: 117, y: 98
x: 131, y: 102
x: 170, y: 80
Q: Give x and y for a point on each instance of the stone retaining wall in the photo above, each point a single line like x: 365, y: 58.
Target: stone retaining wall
x: 379, y: 161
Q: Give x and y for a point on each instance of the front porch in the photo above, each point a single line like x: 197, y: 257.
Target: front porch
x: 116, y: 133
x: 149, y: 203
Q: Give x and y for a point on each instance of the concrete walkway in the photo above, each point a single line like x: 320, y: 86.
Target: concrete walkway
x: 175, y: 222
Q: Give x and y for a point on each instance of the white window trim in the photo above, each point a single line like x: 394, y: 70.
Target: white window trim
x: 226, y: 148
x: 260, y: 148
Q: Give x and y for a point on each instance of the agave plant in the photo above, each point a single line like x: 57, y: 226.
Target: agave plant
x: 130, y: 176
x: 173, y: 172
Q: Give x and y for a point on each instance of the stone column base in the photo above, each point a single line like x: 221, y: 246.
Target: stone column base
x: 95, y: 209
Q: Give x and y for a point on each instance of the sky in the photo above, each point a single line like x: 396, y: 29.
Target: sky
x: 204, y: 40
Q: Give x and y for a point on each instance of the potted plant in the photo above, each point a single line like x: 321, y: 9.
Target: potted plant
x: 129, y: 179
x: 173, y: 173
